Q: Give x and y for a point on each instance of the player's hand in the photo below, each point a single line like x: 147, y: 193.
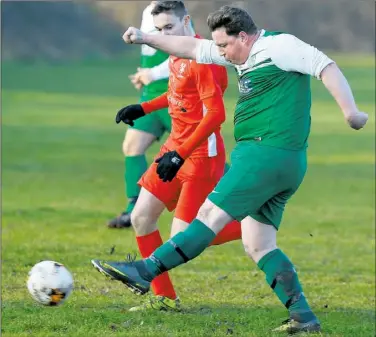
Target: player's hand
x: 135, y: 80
x: 357, y: 120
x: 133, y: 35
x: 129, y: 113
x: 144, y: 75
x: 169, y: 165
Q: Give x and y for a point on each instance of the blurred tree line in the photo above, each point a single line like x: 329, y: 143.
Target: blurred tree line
x: 72, y: 30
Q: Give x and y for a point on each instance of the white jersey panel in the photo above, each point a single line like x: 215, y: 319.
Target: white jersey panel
x: 147, y: 26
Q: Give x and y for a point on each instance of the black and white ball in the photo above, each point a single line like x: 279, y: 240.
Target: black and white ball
x: 50, y: 283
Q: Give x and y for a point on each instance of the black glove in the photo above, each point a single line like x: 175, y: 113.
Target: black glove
x: 129, y: 113
x: 169, y: 165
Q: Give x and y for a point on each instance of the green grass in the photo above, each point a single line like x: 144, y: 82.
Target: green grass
x: 62, y: 176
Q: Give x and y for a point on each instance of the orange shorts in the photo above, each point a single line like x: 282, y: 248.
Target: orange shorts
x: 188, y: 190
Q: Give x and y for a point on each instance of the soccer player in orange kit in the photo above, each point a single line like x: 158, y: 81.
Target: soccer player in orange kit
x: 191, y: 161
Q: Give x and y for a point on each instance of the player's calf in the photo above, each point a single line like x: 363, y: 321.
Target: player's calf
x: 259, y: 241
x: 282, y: 278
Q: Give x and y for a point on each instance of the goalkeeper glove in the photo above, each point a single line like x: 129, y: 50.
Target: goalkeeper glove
x: 169, y: 165
x: 129, y: 113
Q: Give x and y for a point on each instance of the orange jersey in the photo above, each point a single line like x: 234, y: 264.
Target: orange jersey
x: 195, y: 102
x: 190, y: 85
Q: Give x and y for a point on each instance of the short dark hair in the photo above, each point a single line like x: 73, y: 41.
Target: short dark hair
x: 177, y: 7
x: 233, y: 19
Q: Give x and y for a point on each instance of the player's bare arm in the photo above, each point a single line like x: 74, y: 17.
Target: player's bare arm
x: 337, y: 85
x: 292, y: 54
x: 180, y: 46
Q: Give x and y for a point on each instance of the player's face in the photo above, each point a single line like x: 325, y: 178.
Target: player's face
x: 171, y: 24
x: 232, y: 48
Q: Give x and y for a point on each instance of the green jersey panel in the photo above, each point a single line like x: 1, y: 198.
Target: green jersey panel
x: 149, y: 59
x: 274, y: 105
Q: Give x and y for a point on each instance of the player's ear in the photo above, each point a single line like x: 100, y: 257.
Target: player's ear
x: 243, y: 36
x: 187, y: 20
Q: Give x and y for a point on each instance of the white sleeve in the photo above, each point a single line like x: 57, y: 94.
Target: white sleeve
x: 207, y: 52
x: 291, y: 54
x: 161, y: 71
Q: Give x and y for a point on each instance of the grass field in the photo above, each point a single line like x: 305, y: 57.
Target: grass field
x: 62, y: 179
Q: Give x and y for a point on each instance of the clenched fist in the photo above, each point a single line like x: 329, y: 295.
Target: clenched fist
x: 144, y: 75
x: 357, y: 120
x: 136, y: 81
x: 134, y: 35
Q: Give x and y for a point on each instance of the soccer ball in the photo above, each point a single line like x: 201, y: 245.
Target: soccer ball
x: 50, y: 283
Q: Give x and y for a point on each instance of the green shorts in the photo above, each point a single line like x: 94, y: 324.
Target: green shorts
x: 260, y: 181
x: 156, y: 123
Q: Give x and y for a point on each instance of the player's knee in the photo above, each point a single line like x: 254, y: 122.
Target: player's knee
x: 133, y: 147
x: 256, y: 250
x: 141, y: 223
x: 213, y: 217
x: 137, y: 142
x: 205, y: 212
x: 136, y: 221
x: 178, y: 226
x: 125, y: 147
x: 250, y: 250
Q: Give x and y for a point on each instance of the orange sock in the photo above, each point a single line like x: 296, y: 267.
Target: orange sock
x: 231, y: 232
x: 162, y: 284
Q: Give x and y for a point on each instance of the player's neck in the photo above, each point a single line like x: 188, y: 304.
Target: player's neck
x: 253, y: 39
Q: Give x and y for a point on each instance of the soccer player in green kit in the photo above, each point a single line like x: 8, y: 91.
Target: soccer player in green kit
x: 272, y: 124
x: 152, y: 80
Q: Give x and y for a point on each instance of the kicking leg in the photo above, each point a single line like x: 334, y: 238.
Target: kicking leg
x: 186, y: 245
x: 193, y: 195
x: 180, y: 249
x: 231, y: 232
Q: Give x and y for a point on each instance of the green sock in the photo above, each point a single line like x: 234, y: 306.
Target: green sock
x: 135, y: 167
x: 181, y: 248
x: 282, y: 278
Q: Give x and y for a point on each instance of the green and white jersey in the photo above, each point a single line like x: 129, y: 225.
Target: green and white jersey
x: 152, y: 58
x: 274, y: 88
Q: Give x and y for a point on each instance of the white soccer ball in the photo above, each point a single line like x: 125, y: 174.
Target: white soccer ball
x: 50, y: 283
